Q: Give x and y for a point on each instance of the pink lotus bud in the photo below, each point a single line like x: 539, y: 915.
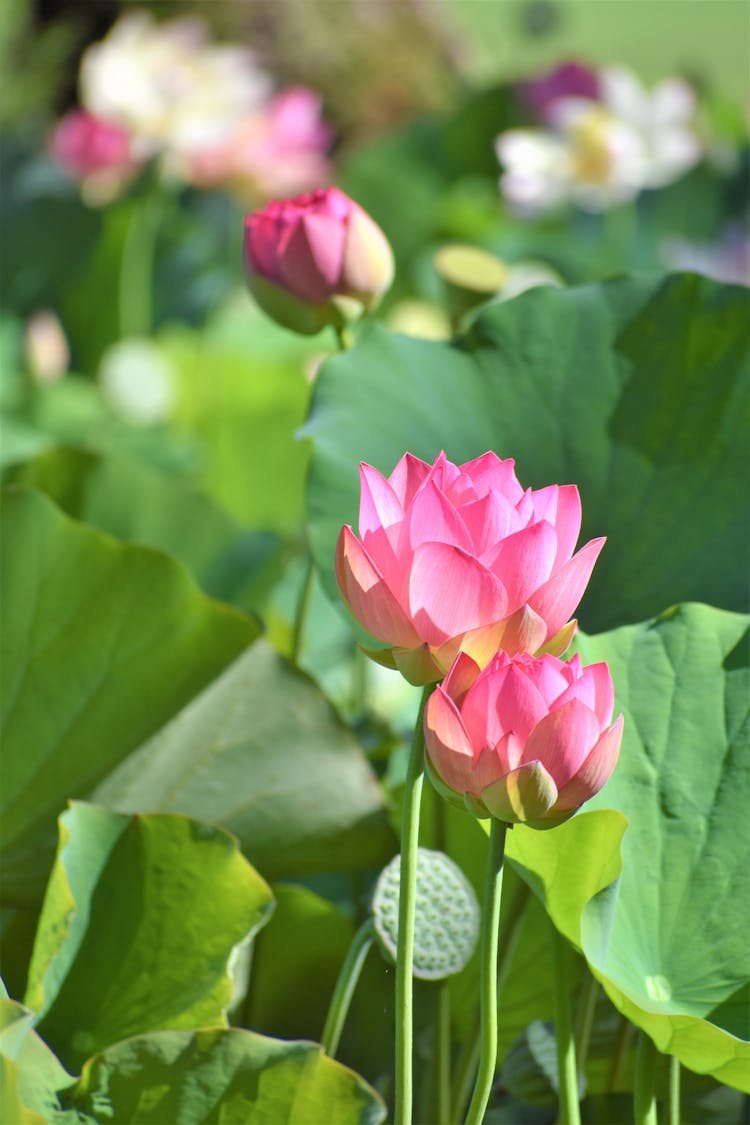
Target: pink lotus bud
x: 317, y: 259
x: 83, y: 145
x: 460, y: 557
x: 527, y: 740
x: 568, y: 80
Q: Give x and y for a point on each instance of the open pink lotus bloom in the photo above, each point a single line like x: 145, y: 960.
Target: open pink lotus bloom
x: 316, y: 259
x: 454, y: 557
x: 527, y: 740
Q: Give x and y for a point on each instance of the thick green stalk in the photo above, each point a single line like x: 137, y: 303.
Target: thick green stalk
x: 137, y: 268
x: 469, y: 1056
x: 567, y: 1069
x: 644, y: 1108
x: 585, y: 1022
x: 345, y: 985
x: 674, y: 1090
x: 406, y: 920
x: 488, y: 974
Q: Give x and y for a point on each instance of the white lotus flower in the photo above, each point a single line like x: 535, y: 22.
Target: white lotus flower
x: 170, y: 87
x: 600, y: 153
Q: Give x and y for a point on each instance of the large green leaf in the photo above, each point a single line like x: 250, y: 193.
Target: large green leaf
x: 293, y: 981
x: 30, y: 1075
x: 668, y: 939
x: 139, y: 926
x: 223, y: 1077
x: 262, y: 753
x: 636, y: 390
x: 101, y: 644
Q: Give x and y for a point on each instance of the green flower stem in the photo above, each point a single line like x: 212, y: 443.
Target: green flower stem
x: 585, y: 1022
x: 303, y: 607
x: 344, y: 338
x: 488, y: 973
x: 406, y: 919
x: 469, y: 1057
x: 622, y: 1044
x: 674, y: 1090
x: 567, y: 1069
x: 443, y: 1051
x: 345, y: 985
x: 137, y: 268
x: 644, y: 1110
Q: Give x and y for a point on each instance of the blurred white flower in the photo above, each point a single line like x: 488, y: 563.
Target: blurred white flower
x: 168, y: 85
x: 597, y: 154
x: 137, y: 381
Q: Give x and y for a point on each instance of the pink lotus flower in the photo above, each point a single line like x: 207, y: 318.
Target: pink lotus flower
x: 84, y: 144
x: 274, y: 151
x: 527, y: 740
x: 568, y: 80
x: 461, y: 557
x: 317, y: 259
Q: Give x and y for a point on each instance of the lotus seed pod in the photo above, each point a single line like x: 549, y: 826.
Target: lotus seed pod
x: 447, y: 915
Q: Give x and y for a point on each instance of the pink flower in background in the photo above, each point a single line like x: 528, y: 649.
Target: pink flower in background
x: 83, y: 144
x: 527, y: 740
x: 316, y: 259
x: 568, y: 80
x: 277, y: 151
x: 456, y: 557
x: 96, y: 152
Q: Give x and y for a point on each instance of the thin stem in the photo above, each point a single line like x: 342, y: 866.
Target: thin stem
x: 644, y: 1107
x: 488, y: 973
x: 300, y: 619
x: 406, y: 920
x: 622, y: 1043
x: 586, y: 1022
x: 567, y: 1069
x: 443, y: 1052
x: 345, y: 985
x: 469, y: 1057
x: 674, y: 1090
x: 344, y: 338
x: 137, y: 269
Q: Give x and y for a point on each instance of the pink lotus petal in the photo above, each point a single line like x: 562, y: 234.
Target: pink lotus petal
x: 480, y: 644
x: 523, y: 561
x: 462, y: 674
x: 408, y: 477
x: 487, y: 769
x: 446, y: 742
x: 561, y: 506
x: 261, y: 239
x: 379, y: 506
x: 558, y: 598
x: 367, y: 595
x: 508, y: 751
x: 604, y: 692
x: 524, y: 631
x: 562, y: 740
x: 489, y: 471
x: 549, y: 677
x: 431, y: 519
x: 595, y: 770
x: 581, y: 688
x: 488, y: 520
x: 312, y: 257
x: 518, y: 705
x: 451, y: 593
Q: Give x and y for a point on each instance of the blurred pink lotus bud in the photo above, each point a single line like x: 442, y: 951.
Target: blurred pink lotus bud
x: 83, y: 144
x: 317, y: 259
x: 456, y: 557
x: 527, y: 740
x: 568, y: 80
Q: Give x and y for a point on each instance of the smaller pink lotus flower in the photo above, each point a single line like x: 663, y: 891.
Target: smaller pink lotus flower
x: 568, y: 80
x: 456, y: 557
x: 85, y: 146
x: 527, y: 740
x: 316, y: 259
